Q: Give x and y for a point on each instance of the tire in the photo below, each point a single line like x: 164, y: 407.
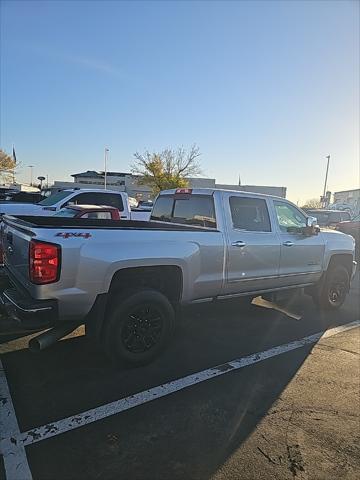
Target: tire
x: 331, y: 293
x: 138, y: 327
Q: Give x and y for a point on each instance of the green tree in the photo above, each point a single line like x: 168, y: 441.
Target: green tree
x: 312, y: 203
x: 7, y: 167
x: 167, y: 169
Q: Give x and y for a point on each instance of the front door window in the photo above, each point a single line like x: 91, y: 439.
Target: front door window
x: 290, y: 219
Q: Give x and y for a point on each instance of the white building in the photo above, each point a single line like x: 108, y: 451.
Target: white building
x: 349, y: 197
x: 127, y: 182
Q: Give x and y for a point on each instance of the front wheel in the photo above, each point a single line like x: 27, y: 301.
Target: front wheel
x: 139, y: 327
x: 331, y: 294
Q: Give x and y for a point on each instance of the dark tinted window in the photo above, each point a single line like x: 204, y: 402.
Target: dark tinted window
x: 56, y: 197
x: 250, y: 214
x: 345, y: 216
x: 91, y: 198
x: 334, y: 217
x: 195, y: 210
x: 322, y: 218
x: 163, y: 208
x: 185, y: 209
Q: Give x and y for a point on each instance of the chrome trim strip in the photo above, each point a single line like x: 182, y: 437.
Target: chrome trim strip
x: 270, y: 277
x: 26, y: 310
x: 258, y: 292
x: 203, y: 300
x: 354, y: 265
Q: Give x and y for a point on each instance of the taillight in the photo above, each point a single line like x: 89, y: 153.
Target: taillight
x: 183, y: 190
x: 44, y: 262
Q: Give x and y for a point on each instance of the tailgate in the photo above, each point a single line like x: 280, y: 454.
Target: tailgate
x: 15, y: 240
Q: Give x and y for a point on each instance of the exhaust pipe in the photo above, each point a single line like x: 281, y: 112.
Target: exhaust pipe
x: 50, y: 337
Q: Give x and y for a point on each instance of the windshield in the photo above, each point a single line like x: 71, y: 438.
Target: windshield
x: 66, y: 212
x: 54, y: 198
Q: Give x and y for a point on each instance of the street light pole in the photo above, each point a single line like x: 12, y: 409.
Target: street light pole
x: 31, y: 174
x: 326, y: 177
x: 105, y: 166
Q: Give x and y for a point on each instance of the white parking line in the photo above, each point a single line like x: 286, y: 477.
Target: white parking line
x: 12, y: 442
x: 61, y: 426
x: 15, y: 461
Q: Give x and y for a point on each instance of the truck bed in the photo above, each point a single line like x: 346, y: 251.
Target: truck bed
x: 30, y: 221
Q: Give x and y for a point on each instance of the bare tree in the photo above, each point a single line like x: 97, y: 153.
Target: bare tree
x: 7, y: 167
x: 167, y: 169
x: 312, y: 203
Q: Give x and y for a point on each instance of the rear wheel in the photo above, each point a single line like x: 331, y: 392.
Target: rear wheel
x: 331, y: 294
x: 139, y: 326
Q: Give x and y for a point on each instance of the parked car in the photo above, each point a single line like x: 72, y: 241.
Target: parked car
x: 55, y: 202
x: 133, y: 202
x: 352, y: 227
x: 100, y: 212
x: 329, y: 218
x: 124, y: 280
x: 145, y: 205
x: 24, y: 197
x: 4, y: 191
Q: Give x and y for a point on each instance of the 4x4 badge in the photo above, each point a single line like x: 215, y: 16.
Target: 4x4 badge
x: 73, y: 234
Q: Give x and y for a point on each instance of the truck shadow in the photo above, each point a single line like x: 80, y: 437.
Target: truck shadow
x: 190, y: 434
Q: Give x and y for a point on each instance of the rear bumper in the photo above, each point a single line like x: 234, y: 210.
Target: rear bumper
x: 24, y: 312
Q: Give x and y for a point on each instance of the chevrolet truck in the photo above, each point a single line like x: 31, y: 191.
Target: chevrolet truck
x: 124, y: 280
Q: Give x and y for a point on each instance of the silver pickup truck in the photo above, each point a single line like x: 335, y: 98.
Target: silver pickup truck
x: 124, y: 280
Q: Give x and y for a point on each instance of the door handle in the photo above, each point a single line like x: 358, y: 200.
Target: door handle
x: 288, y: 244
x: 238, y: 243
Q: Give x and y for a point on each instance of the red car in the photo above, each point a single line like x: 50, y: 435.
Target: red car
x: 352, y: 227
x: 100, y: 212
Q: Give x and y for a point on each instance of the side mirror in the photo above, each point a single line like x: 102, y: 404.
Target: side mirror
x: 311, y: 222
x: 312, y: 227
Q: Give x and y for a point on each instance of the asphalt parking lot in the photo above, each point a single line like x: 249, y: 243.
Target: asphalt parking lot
x: 288, y: 407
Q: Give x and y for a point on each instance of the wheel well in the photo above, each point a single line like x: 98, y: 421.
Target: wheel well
x: 167, y: 279
x: 343, y: 259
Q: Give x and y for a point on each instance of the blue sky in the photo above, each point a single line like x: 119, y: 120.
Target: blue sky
x: 265, y: 89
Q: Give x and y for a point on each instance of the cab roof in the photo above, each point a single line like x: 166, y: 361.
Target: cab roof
x: 92, y: 190
x: 211, y: 191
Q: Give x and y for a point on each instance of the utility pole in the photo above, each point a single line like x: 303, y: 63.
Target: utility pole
x: 326, y: 177
x: 105, y: 165
x: 31, y: 174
